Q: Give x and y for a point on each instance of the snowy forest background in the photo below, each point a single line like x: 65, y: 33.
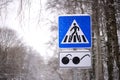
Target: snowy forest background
x: 19, y: 61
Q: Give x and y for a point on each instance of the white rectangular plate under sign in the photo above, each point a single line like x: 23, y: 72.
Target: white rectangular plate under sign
x: 71, y: 59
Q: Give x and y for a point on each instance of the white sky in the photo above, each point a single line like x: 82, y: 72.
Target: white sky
x: 34, y: 34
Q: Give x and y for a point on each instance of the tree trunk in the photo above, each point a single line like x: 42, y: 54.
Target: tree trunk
x: 112, y: 43
x: 98, y: 61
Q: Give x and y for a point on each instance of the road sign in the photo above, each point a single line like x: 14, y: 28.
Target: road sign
x: 75, y: 31
x: 81, y: 59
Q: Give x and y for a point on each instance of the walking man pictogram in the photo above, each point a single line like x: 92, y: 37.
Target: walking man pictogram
x: 75, y: 29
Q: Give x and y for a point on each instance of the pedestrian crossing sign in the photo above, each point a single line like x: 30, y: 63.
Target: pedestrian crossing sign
x: 75, y: 31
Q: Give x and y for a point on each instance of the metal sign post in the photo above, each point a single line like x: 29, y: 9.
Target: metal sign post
x: 74, y: 73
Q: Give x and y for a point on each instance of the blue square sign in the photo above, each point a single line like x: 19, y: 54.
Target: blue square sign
x: 75, y: 31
